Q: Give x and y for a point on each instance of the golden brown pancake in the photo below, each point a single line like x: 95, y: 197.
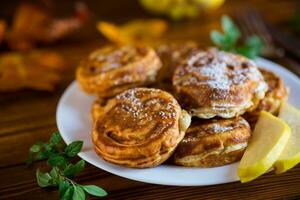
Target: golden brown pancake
x: 97, y: 108
x: 112, y: 70
x: 139, y: 128
x: 214, y: 142
x: 275, y: 96
x: 215, y: 83
x: 171, y: 55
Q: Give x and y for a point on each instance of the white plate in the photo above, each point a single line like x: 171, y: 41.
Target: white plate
x: 74, y: 123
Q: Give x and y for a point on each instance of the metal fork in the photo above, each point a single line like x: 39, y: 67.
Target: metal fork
x: 251, y: 23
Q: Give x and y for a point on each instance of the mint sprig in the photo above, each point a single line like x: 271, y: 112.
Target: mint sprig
x: 229, y: 40
x: 61, y: 158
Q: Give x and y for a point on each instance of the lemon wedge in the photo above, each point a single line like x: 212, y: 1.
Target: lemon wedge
x: 268, y: 140
x: 291, y: 153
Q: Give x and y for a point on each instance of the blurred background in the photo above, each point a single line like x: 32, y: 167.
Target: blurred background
x: 69, y: 30
x: 205, y: 14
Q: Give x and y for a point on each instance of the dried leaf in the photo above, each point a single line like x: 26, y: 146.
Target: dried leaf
x: 134, y: 32
x: 2, y: 30
x: 180, y: 9
x: 33, y: 24
x: 60, y: 28
x: 36, y: 70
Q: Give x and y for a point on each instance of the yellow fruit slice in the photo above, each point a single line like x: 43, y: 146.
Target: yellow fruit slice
x: 291, y: 153
x: 268, y: 140
x: 212, y: 4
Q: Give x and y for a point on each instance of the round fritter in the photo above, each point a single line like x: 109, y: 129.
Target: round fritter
x: 112, y: 70
x: 139, y: 128
x: 97, y: 108
x: 171, y: 55
x: 277, y: 93
x: 215, y: 83
x: 213, y: 142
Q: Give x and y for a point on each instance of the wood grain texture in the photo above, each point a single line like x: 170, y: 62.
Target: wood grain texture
x: 28, y: 116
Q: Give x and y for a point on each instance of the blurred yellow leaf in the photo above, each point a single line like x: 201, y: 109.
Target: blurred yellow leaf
x: 33, y: 24
x: 37, y: 70
x: 134, y: 32
x: 2, y: 29
x: 179, y: 9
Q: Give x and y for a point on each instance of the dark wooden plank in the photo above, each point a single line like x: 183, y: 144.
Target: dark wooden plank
x: 19, y: 183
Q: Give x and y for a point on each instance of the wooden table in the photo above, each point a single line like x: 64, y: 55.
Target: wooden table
x: 28, y: 116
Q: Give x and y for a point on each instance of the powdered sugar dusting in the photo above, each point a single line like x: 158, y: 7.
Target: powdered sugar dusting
x: 218, y: 128
x: 217, y: 76
x: 219, y: 70
x: 110, y: 58
x: 146, y: 104
x: 198, y: 131
x: 190, y: 139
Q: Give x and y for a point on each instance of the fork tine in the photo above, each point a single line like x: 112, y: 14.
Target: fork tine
x: 260, y: 27
x: 251, y: 23
x: 245, y: 24
x: 244, y: 29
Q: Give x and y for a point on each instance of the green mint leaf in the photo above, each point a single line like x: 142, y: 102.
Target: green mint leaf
x: 68, y: 194
x: 48, y: 147
x: 244, y: 51
x: 63, y: 186
x: 217, y: 38
x: 229, y: 40
x: 57, y: 160
x: 227, y: 24
x: 59, y: 156
x: 229, y: 43
x: 254, y: 42
x: 94, y: 190
x: 55, y: 138
x: 252, y: 48
x: 54, y: 173
x: 42, y: 155
x: 248, y: 52
x: 35, y: 148
x: 230, y: 29
x: 78, y: 193
x: 43, y: 179
x: 74, y: 148
x: 231, y: 33
x: 72, y: 170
